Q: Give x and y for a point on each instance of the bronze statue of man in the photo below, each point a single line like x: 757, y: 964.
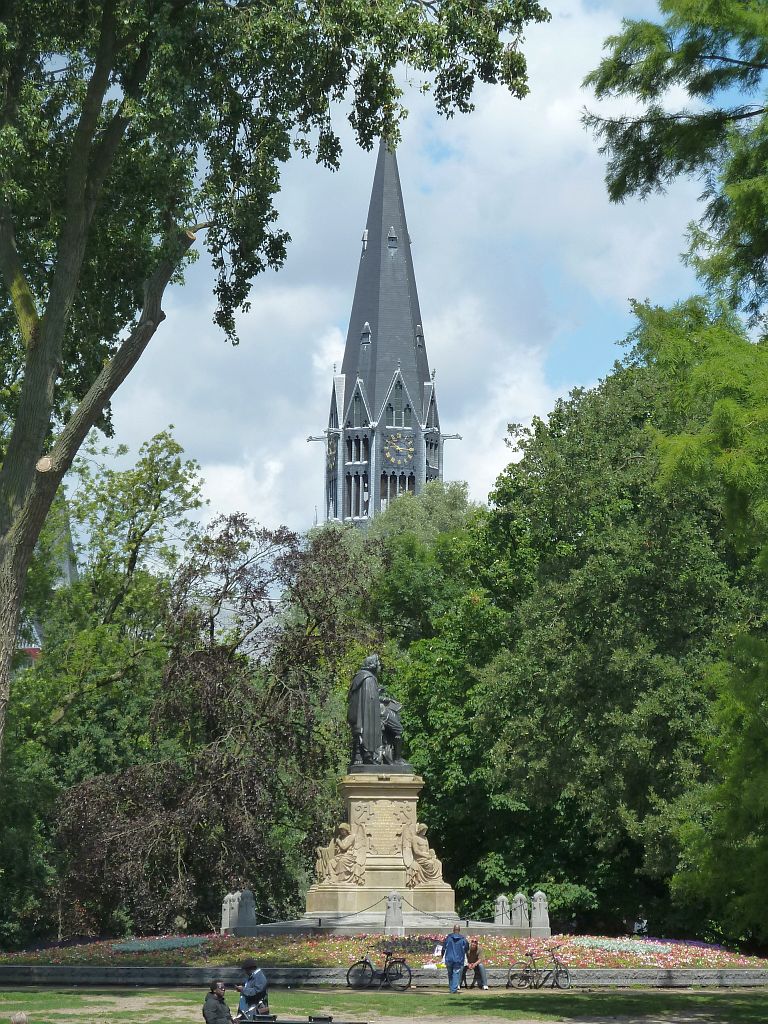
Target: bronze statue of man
x: 391, y: 729
x: 364, y: 713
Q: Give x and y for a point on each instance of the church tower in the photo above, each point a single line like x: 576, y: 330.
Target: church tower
x: 383, y: 435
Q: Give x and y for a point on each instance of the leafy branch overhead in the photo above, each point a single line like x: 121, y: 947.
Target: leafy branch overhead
x: 123, y: 120
x: 716, y: 52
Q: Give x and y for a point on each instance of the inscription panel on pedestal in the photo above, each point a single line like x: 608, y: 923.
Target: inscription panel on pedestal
x: 383, y: 822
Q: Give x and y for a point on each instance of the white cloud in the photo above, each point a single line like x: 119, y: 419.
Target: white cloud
x: 247, y: 487
x: 508, y: 387
x: 328, y: 353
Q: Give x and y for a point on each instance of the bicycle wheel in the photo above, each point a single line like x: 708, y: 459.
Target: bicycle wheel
x: 520, y: 975
x: 562, y: 977
x: 360, y: 974
x: 398, y: 975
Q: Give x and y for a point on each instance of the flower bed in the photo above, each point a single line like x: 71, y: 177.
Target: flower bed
x: 339, y: 951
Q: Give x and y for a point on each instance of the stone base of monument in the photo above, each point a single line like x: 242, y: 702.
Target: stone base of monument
x: 371, y: 902
x: 354, y: 926
x: 380, y: 849
x: 380, y: 859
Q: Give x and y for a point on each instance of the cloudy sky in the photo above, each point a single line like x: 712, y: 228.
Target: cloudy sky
x: 524, y: 272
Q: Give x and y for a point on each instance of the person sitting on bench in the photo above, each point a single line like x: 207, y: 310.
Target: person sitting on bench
x: 215, y: 1009
x: 473, y: 964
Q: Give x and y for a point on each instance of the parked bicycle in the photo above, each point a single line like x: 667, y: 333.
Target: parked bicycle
x: 528, y: 974
x: 395, y: 972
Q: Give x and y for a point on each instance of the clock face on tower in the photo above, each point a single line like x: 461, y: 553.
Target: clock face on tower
x: 398, y: 449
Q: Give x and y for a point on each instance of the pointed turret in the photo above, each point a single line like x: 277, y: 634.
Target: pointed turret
x: 386, y: 304
x: 383, y: 428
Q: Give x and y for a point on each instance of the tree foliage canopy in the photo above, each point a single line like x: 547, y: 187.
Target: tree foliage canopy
x: 719, y: 379
x: 557, y: 654
x: 718, y: 53
x: 127, y: 128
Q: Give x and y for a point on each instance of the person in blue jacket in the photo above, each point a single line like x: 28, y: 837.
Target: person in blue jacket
x: 455, y: 948
x: 254, y: 1000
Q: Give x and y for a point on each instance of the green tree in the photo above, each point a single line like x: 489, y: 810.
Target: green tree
x: 721, y: 377
x: 83, y: 709
x: 177, y: 665
x: 424, y: 569
x: 594, y: 714
x: 128, y: 128
x: 717, y: 52
x: 28, y: 862
x: 105, y: 630
x: 441, y: 626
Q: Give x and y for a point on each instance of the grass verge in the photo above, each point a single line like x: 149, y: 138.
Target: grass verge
x: 166, y: 1006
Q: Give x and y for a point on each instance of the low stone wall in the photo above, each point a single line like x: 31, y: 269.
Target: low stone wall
x: 61, y: 976
x: 65, y: 976
x: 689, y: 977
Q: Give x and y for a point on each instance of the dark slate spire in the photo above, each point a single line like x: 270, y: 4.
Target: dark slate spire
x: 385, y: 326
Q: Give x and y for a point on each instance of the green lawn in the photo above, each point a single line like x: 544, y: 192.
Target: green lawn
x: 164, y: 1006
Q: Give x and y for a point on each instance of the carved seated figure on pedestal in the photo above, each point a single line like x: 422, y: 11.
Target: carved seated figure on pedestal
x: 343, y: 859
x: 421, y: 864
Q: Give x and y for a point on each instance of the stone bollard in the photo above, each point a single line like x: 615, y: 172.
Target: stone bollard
x: 540, y: 916
x: 246, y: 909
x: 519, y: 914
x: 501, y: 911
x: 393, y: 917
x: 238, y: 911
x: 227, y: 907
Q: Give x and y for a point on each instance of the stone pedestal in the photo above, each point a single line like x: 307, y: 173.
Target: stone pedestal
x: 380, y: 849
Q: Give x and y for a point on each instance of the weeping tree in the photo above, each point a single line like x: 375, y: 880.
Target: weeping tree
x: 131, y: 128
x: 233, y: 781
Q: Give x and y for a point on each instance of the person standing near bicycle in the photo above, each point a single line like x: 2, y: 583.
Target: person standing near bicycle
x: 455, y: 949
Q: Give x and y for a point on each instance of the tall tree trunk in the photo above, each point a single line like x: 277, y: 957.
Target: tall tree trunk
x: 14, y: 562
x: 29, y: 480
x: 10, y: 602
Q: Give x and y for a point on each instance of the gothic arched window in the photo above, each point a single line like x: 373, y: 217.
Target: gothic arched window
x: 348, y: 496
x: 398, y: 397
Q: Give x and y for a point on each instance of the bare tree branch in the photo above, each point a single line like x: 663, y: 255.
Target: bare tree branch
x: 733, y: 60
